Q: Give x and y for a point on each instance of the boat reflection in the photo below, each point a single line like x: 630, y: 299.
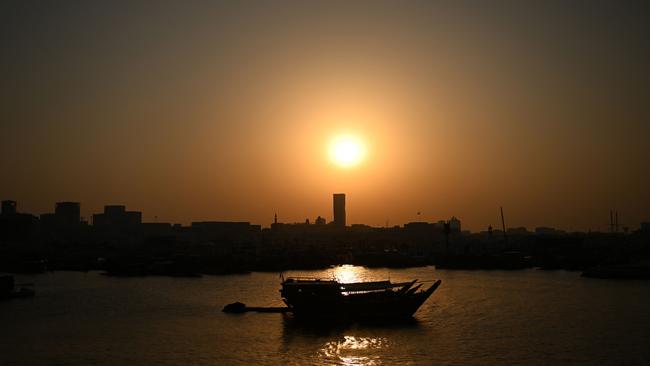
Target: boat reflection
x: 365, y: 343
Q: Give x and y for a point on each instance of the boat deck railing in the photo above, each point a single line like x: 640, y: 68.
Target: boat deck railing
x: 308, y: 279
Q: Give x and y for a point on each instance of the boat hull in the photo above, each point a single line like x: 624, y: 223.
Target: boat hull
x: 326, y: 303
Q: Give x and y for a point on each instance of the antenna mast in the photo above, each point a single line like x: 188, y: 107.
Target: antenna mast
x: 503, y: 224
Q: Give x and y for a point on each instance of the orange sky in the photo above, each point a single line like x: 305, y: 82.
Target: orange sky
x: 224, y: 111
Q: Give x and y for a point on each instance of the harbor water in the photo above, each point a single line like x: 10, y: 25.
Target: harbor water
x: 528, y: 317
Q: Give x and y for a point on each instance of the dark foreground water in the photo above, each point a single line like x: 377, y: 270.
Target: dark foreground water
x: 475, y: 317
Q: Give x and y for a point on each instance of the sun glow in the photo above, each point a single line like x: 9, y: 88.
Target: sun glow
x: 347, y: 151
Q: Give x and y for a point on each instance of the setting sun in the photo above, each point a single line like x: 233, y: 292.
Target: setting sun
x: 347, y: 151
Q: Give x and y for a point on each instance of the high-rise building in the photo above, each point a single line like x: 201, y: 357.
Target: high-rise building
x: 114, y: 211
x: 68, y: 213
x: 454, y: 224
x: 116, y: 217
x: 339, y: 209
x: 8, y: 208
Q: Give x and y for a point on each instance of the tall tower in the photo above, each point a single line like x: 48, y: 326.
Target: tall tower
x: 339, y: 209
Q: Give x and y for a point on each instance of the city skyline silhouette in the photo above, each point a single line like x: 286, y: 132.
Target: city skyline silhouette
x: 324, y: 182
x: 10, y: 207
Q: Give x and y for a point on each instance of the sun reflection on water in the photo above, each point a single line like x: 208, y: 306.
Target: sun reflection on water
x: 348, y: 273
x: 351, y: 350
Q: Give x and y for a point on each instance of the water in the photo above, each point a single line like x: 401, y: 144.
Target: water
x: 475, y: 317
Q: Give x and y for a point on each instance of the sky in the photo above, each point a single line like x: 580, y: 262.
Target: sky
x: 224, y: 110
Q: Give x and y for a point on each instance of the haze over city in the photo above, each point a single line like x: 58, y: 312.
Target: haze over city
x: 231, y: 111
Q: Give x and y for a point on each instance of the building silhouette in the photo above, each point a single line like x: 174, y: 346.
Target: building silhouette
x: 68, y: 213
x: 8, y: 208
x: 454, y: 224
x: 320, y: 221
x: 339, y: 209
x: 117, y: 217
x: 14, y: 225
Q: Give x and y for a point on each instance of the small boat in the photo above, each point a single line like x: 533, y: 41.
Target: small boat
x: 330, y: 299
x: 8, y: 289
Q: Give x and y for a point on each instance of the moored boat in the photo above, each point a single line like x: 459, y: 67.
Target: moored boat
x: 330, y: 299
x: 8, y: 289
